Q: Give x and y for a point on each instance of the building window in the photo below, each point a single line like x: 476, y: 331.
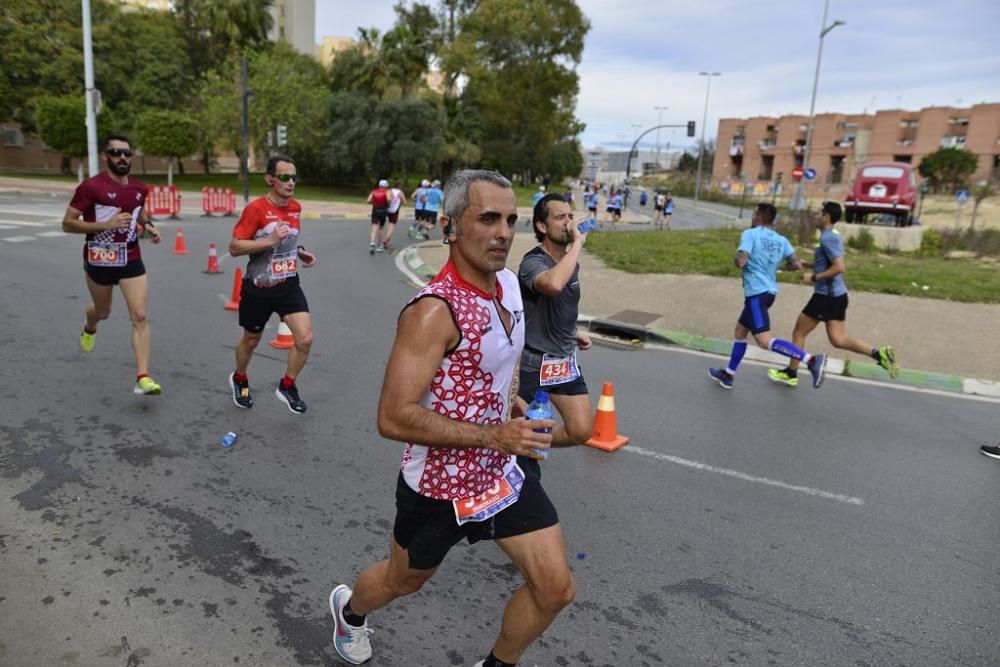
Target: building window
x: 909, y: 124
x: 766, y: 168
x: 953, y: 141
x: 836, y: 169
x: 996, y: 166
x: 960, y: 121
x: 12, y: 137
x: 902, y: 158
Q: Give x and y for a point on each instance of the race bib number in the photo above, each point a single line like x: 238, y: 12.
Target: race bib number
x: 558, y: 370
x: 504, y: 493
x: 284, y: 265
x: 107, y: 254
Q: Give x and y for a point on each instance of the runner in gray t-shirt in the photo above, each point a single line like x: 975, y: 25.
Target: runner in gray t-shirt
x: 829, y: 303
x: 550, y: 289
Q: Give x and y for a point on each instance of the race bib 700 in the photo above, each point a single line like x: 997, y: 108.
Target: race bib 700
x: 106, y: 254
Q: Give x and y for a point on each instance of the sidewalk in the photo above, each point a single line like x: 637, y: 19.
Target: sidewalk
x: 952, y: 344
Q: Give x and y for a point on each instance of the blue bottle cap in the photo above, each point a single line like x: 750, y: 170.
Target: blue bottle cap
x: 541, y: 396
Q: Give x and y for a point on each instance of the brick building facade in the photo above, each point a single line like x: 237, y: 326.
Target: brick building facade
x: 757, y: 149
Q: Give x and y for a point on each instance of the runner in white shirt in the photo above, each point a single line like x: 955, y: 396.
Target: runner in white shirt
x: 396, y: 201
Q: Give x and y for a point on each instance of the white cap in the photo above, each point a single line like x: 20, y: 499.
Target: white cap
x: 436, y: 183
x: 383, y: 183
x: 425, y: 183
x: 541, y: 188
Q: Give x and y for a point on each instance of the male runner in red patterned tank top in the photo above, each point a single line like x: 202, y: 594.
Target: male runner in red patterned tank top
x: 110, y: 209
x: 448, y: 394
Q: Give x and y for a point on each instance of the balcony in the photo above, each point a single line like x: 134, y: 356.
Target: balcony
x: 767, y: 144
x: 953, y: 141
x: 736, y: 149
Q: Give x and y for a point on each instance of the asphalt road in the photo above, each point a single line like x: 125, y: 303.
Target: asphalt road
x: 851, y: 525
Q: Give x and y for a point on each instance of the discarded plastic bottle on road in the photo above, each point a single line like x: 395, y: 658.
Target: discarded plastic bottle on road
x: 229, y: 439
x: 588, y: 225
x: 541, y: 408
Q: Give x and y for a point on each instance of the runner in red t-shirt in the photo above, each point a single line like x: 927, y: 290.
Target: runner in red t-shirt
x: 110, y: 209
x: 268, y: 231
x: 379, y: 199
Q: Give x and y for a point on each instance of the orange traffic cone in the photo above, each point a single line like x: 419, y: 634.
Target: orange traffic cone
x: 234, y: 299
x: 284, y: 339
x: 179, y: 247
x: 606, y: 435
x: 213, y: 260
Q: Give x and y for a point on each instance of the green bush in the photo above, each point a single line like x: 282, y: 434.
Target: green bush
x: 932, y: 243
x: 863, y: 241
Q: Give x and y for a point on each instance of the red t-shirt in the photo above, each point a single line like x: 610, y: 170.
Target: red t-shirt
x: 259, y: 218
x: 380, y: 198
x: 99, y: 196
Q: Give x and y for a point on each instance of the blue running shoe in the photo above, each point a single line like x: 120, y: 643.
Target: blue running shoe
x: 817, y: 366
x: 724, y: 379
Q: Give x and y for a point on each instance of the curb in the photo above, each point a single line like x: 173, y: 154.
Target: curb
x: 410, y: 263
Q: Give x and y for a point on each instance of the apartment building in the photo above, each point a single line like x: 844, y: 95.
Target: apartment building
x: 756, y: 150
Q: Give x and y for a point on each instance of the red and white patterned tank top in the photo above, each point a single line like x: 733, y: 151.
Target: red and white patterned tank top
x: 472, y: 384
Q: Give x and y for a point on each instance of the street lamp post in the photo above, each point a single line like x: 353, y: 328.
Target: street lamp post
x: 659, y: 121
x: 798, y: 201
x: 704, y: 119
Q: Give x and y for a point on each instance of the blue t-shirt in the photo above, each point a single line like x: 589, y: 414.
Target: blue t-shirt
x: 592, y: 201
x: 434, y: 196
x: 537, y: 198
x: 419, y: 197
x: 670, y: 205
x: 831, y: 246
x: 767, y: 249
x: 617, y: 201
x: 643, y: 197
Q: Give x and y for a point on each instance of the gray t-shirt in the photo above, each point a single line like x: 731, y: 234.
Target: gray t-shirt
x: 550, y: 321
x: 831, y: 246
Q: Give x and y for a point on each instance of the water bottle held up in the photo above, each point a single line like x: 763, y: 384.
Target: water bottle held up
x: 541, y: 408
x: 588, y: 225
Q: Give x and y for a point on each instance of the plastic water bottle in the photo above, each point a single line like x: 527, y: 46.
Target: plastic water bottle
x: 541, y: 408
x: 588, y: 225
x: 229, y: 439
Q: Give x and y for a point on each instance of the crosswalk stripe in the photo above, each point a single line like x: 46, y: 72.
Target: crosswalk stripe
x: 7, y: 227
x: 26, y: 223
x: 17, y: 239
x: 52, y: 234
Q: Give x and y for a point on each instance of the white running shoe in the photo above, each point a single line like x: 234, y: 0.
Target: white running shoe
x: 351, y: 643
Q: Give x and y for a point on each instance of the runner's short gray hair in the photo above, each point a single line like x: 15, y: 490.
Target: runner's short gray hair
x: 456, y: 191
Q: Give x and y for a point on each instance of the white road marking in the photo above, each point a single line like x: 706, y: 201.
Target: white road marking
x: 18, y: 239
x: 26, y: 223
x: 56, y: 215
x: 850, y: 500
x: 7, y: 227
x: 51, y: 234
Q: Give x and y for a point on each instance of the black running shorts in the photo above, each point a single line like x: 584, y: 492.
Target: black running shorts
x: 110, y: 275
x: 257, y: 303
x: 826, y: 308
x: 426, y: 528
x: 379, y: 216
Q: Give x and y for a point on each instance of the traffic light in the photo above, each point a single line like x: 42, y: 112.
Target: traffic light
x: 281, y: 136
x: 690, y: 128
x: 777, y: 180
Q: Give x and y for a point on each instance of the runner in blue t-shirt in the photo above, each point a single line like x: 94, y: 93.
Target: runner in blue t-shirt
x: 829, y: 303
x: 761, y: 251
x: 432, y: 205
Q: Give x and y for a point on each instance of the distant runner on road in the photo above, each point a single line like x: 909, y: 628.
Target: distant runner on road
x: 110, y: 209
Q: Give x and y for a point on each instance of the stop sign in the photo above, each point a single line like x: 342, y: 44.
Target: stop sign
x: 797, y: 173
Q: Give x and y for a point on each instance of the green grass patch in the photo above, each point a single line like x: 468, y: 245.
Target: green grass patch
x: 711, y: 252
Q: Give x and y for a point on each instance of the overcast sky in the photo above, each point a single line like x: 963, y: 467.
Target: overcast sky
x: 640, y: 54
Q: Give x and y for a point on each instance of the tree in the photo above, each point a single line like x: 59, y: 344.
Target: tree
x: 948, y: 168
x: 169, y: 134
x: 372, y: 139
x: 62, y: 123
x: 215, y: 30
x: 981, y: 191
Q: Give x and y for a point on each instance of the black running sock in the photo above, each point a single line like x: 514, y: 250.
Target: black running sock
x: 875, y: 354
x: 352, y: 619
x: 493, y: 661
x: 90, y: 333
x: 791, y: 372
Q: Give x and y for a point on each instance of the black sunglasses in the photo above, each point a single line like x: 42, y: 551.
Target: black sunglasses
x: 119, y: 152
x: 284, y: 178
